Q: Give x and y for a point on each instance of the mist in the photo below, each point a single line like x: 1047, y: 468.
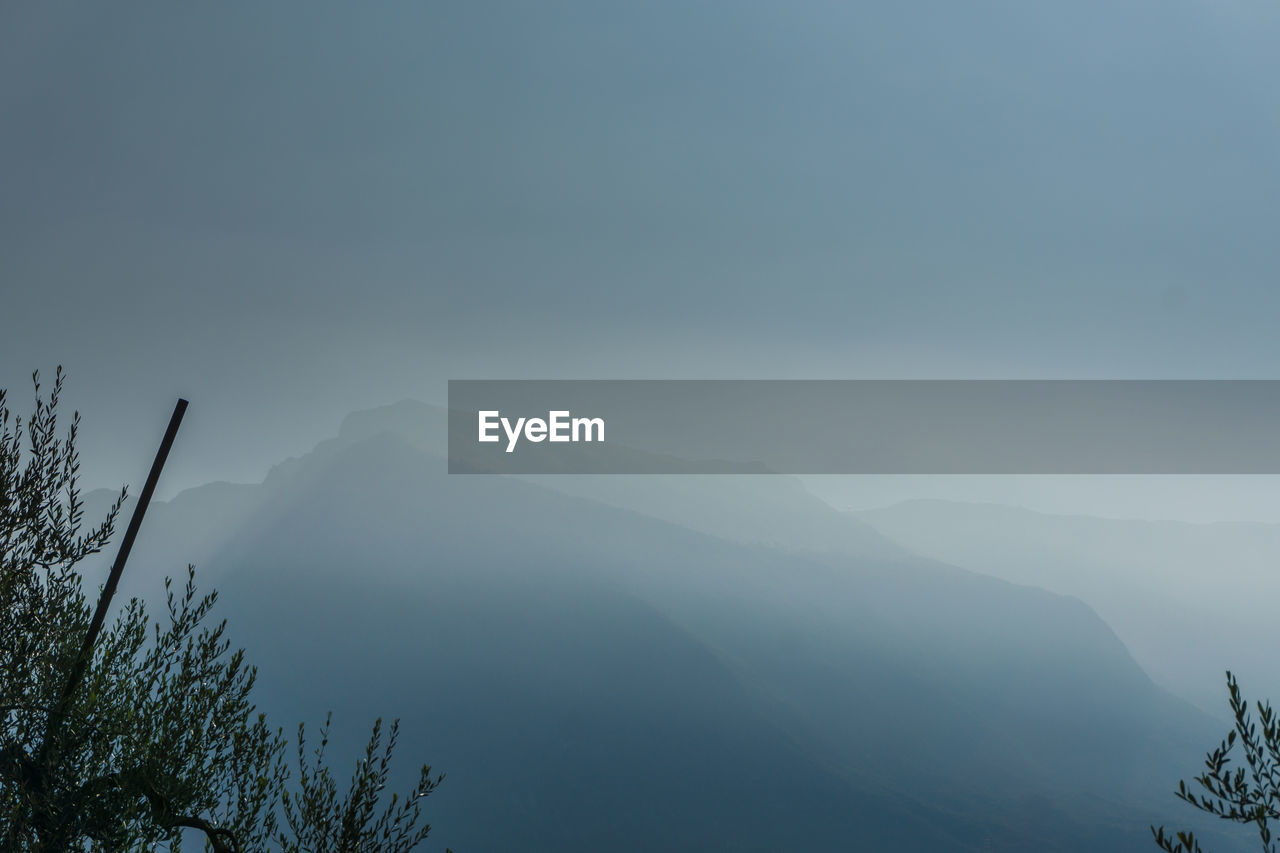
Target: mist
x: 306, y: 218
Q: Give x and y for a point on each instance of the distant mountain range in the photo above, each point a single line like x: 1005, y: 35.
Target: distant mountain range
x: 675, y: 663
x: 1188, y: 600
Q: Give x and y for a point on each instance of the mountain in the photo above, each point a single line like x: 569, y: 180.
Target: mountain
x: 596, y: 677
x: 1188, y: 600
x: 752, y: 508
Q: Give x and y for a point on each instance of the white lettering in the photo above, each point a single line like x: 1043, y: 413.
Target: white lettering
x: 513, y: 435
x: 559, y: 427
x: 588, y: 424
x: 487, y: 423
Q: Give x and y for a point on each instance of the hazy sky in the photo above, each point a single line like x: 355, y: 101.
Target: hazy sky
x: 286, y: 211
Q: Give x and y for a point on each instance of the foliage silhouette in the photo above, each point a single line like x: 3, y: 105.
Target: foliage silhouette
x: 1243, y: 794
x: 160, y: 736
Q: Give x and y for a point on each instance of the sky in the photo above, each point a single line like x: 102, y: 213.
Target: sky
x: 289, y: 211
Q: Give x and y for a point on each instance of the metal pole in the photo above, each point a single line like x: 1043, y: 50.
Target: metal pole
x: 126, y: 545
x: 81, y: 663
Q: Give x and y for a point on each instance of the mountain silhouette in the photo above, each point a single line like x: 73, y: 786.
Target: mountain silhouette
x: 597, y: 677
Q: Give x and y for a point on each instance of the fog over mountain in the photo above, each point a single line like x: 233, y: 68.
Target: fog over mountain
x: 1188, y: 600
x: 289, y: 212
x: 593, y: 677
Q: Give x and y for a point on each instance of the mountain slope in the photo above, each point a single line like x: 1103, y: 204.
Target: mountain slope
x: 1189, y: 600
x: 595, y: 678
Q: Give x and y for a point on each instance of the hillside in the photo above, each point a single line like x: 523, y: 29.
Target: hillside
x: 591, y: 677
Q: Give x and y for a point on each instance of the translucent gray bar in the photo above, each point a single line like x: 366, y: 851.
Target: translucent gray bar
x: 869, y: 426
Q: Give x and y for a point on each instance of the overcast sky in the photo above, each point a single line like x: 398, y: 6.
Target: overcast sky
x: 287, y: 211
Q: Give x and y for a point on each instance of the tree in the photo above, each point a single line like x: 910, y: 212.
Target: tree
x: 125, y: 738
x: 1247, y: 795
